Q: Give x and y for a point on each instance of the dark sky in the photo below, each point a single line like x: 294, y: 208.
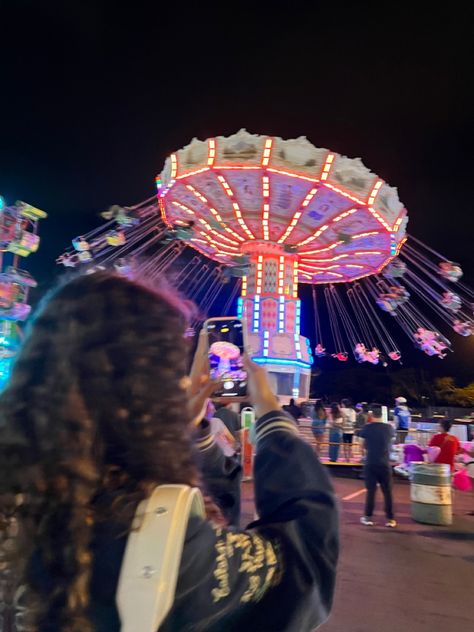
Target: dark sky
x: 95, y: 96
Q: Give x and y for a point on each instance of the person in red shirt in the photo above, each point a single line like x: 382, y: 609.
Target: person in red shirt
x: 448, y: 444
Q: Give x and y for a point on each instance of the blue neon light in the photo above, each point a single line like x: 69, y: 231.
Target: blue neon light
x: 298, y: 363
x: 298, y: 317
x: 256, y: 313
x: 240, y: 307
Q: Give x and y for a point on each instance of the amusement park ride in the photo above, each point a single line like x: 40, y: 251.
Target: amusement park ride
x: 271, y: 214
x: 18, y: 238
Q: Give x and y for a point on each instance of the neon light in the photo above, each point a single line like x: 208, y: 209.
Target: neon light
x: 224, y: 237
x: 259, y: 274
x: 359, y: 235
x: 267, y: 151
x: 292, y: 175
x: 298, y: 363
x: 346, y: 214
x: 368, y: 252
x: 244, y: 286
x: 298, y: 317
x: 297, y: 215
x: 281, y: 315
x: 240, y: 307
x: 398, y: 223
x: 315, y: 252
x: 314, y: 236
x: 295, y: 279
x: 379, y: 218
x: 244, y: 167
x: 327, y: 167
x: 266, y: 207
x: 199, y: 195
x: 226, y: 186
x: 344, y: 193
x: 158, y: 183
x: 336, y: 258
x: 353, y: 265
x: 374, y: 192
x: 256, y: 313
x: 298, y: 346
x: 266, y: 342
x: 192, y: 173
x: 281, y: 274
x: 183, y: 207
x: 212, y: 152
x: 217, y: 244
x: 174, y: 166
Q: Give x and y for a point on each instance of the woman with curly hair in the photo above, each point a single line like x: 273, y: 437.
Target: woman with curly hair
x: 97, y: 413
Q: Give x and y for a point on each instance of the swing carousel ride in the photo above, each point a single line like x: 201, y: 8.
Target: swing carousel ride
x: 18, y: 239
x: 266, y: 214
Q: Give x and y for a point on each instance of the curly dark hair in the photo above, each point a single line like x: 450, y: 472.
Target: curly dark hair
x: 95, y: 402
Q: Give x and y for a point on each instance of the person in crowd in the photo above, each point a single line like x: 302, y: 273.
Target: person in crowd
x: 293, y: 409
x: 318, y: 425
x: 447, y: 443
x: 231, y: 419
x: 226, y: 497
x: 402, y: 418
x: 377, y: 439
x: 362, y: 416
x: 336, y: 421
x: 99, y: 410
x: 348, y: 427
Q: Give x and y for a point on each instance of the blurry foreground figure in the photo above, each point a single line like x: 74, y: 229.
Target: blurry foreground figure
x: 97, y: 414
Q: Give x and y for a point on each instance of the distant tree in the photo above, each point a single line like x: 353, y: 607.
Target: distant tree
x: 446, y: 391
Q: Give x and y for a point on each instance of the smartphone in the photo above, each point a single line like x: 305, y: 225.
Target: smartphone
x: 226, y: 345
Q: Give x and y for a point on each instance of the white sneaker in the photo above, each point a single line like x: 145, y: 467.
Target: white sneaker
x: 368, y: 522
x: 391, y: 524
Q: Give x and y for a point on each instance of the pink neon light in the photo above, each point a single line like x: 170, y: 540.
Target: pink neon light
x: 319, y: 250
x: 353, y: 265
x: 183, y: 207
x: 224, y: 237
x: 267, y: 151
x: 224, y: 167
x: 374, y: 192
x: 327, y: 167
x: 266, y: 207
x: 359, y: 235
x: 192, y: 173
x: 211, y: 152
x: 237, y: 212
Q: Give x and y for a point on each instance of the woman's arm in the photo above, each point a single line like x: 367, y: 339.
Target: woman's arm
x: 288, y: 556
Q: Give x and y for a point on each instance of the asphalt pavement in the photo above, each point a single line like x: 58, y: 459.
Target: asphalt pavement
x: 416, y: 578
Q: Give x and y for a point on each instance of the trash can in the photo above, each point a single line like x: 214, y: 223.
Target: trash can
x: 431, y: 494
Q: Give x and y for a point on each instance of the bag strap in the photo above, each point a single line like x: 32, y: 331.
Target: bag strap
x: 150, y: 566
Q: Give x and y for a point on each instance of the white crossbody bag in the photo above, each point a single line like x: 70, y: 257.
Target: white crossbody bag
x: 150, y: 566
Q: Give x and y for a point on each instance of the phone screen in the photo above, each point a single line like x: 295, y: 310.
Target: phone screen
x: 226, y: 348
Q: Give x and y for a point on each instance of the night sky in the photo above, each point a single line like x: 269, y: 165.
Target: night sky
x: 95, y: 96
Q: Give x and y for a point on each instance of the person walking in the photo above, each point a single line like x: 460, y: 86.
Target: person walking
x: 377, y: 439
x: 348, y: 427
x: 99, y: 412
x: 335, y: 431
x: 318, y: 425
